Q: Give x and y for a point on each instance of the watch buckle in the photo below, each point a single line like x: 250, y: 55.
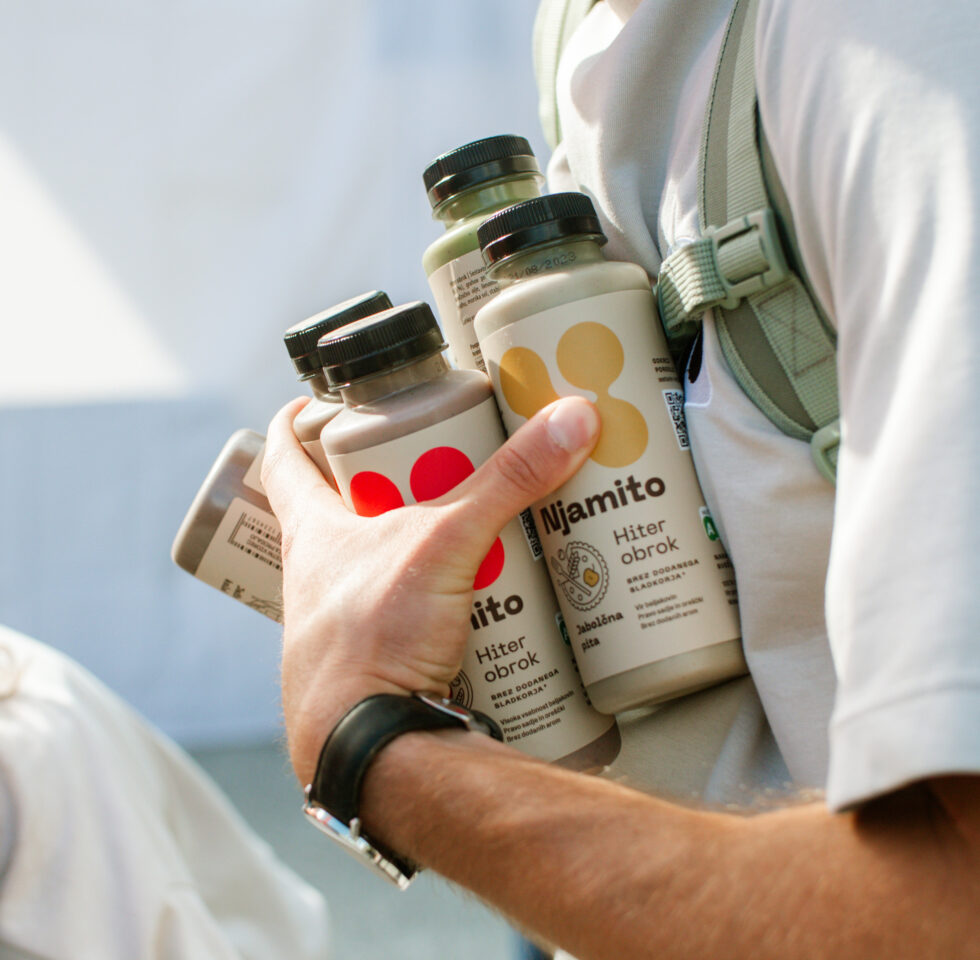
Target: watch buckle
x: 349, y: 837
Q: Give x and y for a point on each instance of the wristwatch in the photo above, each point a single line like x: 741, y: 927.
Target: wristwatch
x: 333, y: 798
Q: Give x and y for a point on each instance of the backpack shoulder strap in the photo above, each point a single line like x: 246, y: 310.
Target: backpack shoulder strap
x: 555, y: 22
x: 776, y: 340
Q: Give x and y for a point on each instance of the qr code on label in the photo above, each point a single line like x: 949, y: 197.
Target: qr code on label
x: 531, y: 535
x: 674, y: 399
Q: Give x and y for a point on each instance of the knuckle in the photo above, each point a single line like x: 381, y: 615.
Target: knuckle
x: 518, y: 470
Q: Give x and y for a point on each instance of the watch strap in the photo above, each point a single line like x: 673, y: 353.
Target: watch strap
x: 366, y: 729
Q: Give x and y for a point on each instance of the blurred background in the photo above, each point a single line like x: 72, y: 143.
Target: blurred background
x: 179, y: 182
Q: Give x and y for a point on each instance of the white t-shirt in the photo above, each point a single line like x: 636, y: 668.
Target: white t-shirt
x: 114, y: 846
x: 872, y: 116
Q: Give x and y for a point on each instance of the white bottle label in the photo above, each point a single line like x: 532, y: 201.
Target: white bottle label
x: 253, y: 476
x: 517, y: 667
x: 244, y: 558
x: 459, y: 289
x: 636, y: 561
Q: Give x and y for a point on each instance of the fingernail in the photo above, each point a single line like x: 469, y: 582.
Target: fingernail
x: 572, y: 424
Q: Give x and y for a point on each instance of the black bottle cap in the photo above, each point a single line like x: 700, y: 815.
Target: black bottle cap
x: 301, y: 339
x: 380, y: 344
x: 547, y: 219
x: 477, y: 163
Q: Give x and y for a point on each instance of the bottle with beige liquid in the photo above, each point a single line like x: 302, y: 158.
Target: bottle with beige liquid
x: 465, y: 186
x: 644, y: 583
x: 230, y: 538
x: 411, y: 430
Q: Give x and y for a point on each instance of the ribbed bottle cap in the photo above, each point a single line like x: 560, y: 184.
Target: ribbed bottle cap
x: 380, y: 344
x: 556, y: 216
x: 478, y: 163
x: 301, y: 339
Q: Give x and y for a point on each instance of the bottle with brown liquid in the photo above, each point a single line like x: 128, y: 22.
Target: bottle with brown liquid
x: 411, y: 430
x: 230, y: 538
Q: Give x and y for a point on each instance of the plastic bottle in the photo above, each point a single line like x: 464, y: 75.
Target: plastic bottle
x: 413, y: 428
x: 301, y: 345
x: 230, y: 538
x: 645, y: 585
x: 465, y: 186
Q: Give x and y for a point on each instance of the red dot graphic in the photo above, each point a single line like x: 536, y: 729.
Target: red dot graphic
x: 436, y: 472
x: 373, y: 494
x: 490, y: 569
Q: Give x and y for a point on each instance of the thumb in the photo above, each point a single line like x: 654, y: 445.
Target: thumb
x: 539, y: 457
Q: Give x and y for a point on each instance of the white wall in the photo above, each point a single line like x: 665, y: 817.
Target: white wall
x: 179, y: 182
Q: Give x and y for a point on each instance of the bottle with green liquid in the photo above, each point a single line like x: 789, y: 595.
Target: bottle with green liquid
x: 465, y: 186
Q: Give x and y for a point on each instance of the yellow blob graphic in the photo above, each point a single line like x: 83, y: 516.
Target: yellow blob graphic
x: 590, y: 356
x: 590, y: 577
x: 525, y: 382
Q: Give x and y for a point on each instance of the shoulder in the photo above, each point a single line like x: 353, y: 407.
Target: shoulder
x: 889, y: 68
x: 871, y: 114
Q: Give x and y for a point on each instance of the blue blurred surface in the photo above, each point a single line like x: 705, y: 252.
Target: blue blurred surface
x: 183, y: 181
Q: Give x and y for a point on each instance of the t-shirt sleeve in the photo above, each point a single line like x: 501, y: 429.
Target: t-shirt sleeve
x: 114, y: 845
x: 875, y: 128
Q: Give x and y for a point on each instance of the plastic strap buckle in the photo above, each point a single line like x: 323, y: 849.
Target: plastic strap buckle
x: 749, y: 256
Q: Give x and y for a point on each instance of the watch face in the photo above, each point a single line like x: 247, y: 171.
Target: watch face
x: 358, y: 846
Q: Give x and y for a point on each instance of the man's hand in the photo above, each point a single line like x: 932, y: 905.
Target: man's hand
x: 382, y: 604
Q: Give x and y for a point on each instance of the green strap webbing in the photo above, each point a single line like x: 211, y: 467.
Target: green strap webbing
x: 555, y: 22
x: 779, y: 347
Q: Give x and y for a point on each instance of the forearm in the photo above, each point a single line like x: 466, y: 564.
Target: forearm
x: 611, y: 873
x: 602, y: 870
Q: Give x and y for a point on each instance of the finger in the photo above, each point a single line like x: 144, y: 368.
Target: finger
x: 290, y: 478
x: 539, y: 457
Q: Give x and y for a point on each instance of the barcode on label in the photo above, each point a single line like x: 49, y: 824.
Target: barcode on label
x: 674, y: 399
x: 258, y: 539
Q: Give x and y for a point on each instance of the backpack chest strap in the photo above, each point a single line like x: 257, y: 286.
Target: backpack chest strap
x: 777, y: 343
x: 727, y: 264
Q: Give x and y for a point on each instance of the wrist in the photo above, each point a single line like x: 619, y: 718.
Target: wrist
x: 309, y: 725
x: 333, y: 796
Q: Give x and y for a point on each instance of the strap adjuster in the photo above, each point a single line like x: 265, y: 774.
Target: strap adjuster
x: 749, y: 256
x: 720, y: 269
x: 824, y: 447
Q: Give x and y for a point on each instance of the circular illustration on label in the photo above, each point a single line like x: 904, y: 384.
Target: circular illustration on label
x: 461, y: 690
x: 582, y: 574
